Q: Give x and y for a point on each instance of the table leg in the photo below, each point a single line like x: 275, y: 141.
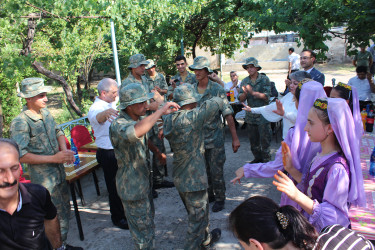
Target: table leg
x: 78, y: 218
x: 96, y: 182
x: 80, y: 192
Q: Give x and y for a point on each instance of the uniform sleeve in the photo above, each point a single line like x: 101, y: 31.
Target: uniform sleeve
x: 49, y: 207
x: 121, y: 132
x: 267, y: 88
x: 227, y: 110
x: 20, y: 133
x: 209, y: 108
x: 334, y: 208
x: 163, y: 83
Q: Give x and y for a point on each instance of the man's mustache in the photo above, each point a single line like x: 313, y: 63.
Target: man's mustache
x: 7, y: 184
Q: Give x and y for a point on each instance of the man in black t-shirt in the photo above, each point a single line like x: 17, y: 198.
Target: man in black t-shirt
x: 28, y: 218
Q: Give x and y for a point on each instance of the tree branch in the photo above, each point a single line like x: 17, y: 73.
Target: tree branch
x: 40, y: 69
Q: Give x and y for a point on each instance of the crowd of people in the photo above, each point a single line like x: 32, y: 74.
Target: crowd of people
x: 317, y: 167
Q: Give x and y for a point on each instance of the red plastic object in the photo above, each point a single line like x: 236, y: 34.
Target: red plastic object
x: 22, y: 179
x: 81, y: 136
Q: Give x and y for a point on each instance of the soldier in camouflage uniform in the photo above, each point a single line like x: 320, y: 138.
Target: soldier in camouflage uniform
x: 137, y: 65
x: 183, y: 76
x: 39, y: 139
x: 184, y: 133
x: 129, y: 138
x: 214, y: 132
x: 156, y: 81
x: 256, y: 89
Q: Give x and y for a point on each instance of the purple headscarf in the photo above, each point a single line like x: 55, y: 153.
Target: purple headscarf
x: 357, y: 114
x: 344, y: 127
x: 302, y: 150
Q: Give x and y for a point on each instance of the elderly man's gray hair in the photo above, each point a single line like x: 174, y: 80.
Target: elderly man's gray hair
x: 299, y: 75
x: 105, y: 84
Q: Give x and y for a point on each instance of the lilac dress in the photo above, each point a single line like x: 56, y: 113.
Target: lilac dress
x: 327, y: 183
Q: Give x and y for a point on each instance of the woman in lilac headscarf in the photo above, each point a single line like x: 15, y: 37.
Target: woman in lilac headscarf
x: 307, y: 91
x: 350, y: 94
x: 334, y: 179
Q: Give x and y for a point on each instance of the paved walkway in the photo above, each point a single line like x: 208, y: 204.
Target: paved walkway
x: 170, y: 214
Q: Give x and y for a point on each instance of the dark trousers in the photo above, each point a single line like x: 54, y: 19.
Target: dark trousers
x: 107, y: 160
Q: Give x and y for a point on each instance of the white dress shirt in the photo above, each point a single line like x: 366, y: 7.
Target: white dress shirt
x: 101, y: 130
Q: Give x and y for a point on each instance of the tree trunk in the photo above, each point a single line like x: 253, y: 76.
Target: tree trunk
x: 40, y: 69
x: 79, y: 90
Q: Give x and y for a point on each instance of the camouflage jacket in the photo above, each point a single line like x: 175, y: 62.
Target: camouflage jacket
x: 158, y: 81
x: 214, y: 128
x: 134, y: 172
x: 38, y: 135
x: 262, y: 85
x: 132, y: 79
x: 184, y: 133
x: 190, y: 78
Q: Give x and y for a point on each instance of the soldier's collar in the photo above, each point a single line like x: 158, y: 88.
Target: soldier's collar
x: 34, y: 116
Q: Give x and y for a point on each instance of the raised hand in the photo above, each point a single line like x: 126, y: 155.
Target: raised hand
x: 169, y: 107
x: 285, y: 184
x: 248, y: 89
x: 246, y: 108
x: 280, y: 108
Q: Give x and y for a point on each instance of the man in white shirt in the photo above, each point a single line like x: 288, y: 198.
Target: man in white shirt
x: 234, y: 84
x: 294, y: 61
x: 101, y: 114
x: 364, y: 83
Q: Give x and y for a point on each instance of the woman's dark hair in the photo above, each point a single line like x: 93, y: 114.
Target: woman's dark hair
x: 256, y: 218
x: 345, y: 93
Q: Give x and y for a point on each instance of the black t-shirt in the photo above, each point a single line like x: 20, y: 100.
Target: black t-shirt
x: 25, y: 228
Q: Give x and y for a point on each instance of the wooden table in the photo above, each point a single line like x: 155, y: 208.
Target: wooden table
x: 90, y: 146
x: 363, y: 219
x: 73, y: 173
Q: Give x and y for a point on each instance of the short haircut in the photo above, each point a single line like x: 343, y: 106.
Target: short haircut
x: 313, y: 54
x: 361, y: 69
x: 10, y: 143
x: 291, y: 49
x: 179, y: 58
x: 215, y: 71
x: 299, y: 75
x: 235, y: 72
x: 105, y: 84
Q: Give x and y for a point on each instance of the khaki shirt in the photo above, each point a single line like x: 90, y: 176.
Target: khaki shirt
x: 190, y: 78
x: 133, y: 176
x: 214, y: 127
x: 184, y: 133
x: 38, y: 134
x: 132, y: 79
x: 263, y: 85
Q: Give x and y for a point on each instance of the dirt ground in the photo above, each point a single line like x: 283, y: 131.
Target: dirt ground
x: 170, y: 214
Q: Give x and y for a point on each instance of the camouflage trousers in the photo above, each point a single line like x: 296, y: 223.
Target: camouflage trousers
x: 196, y: 204
x: 260, y: 140
x: 140, y: 215
x: 53, y: 179
x: 215, y: 160
x: 157, y: 168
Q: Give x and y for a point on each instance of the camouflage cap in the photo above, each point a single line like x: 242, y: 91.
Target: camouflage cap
x: 31, y: 87
x: 185, y: 94
x: 201, y: 62
x: 150, y: 64
x: 133, y: 93
x: 253, y: 61
x: 137, y: 60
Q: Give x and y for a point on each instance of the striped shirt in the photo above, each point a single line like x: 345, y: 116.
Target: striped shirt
x: 339, y: 237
